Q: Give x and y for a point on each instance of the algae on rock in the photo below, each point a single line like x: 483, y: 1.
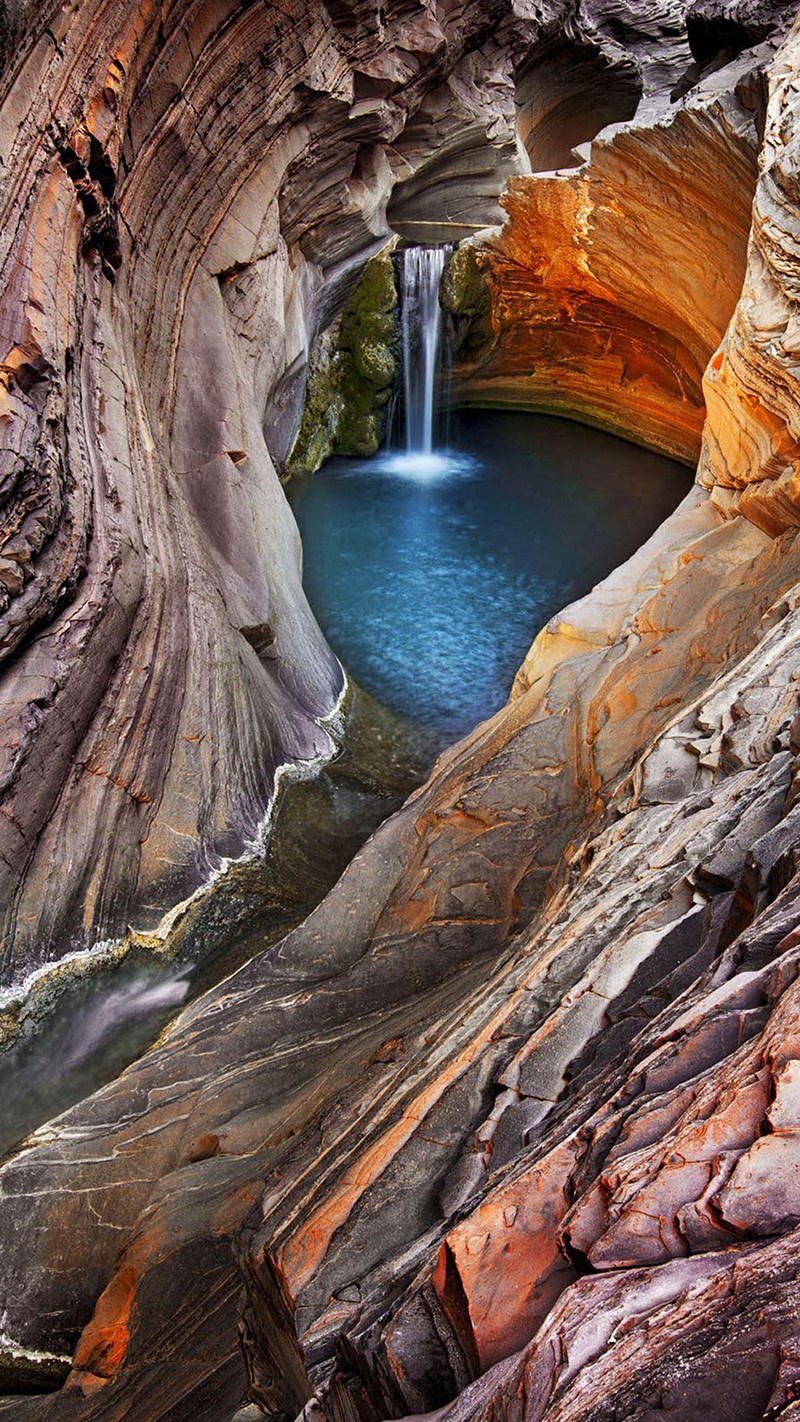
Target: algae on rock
x: 464, y: 293
x: 351, y: 372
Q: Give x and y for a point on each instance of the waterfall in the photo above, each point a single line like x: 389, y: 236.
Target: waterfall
x: 422, y: 269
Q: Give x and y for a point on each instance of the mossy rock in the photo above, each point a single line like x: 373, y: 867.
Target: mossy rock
x: 360, y: 425
x: 369, y: 323
x: 375, y: 363
x: 351, y: 372
x: 376, y: 290
x: 361, y: 434
x: 465, y: 294
x: 315, y: 437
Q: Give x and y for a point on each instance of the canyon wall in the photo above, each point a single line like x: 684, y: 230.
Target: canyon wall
x: 508, y: 1127
x: 612, y: 282
x: 185, y: 190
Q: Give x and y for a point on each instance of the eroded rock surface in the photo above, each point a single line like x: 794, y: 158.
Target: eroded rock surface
x: 185, y: 191
x: 612, y: 282
x: 509, y: 1126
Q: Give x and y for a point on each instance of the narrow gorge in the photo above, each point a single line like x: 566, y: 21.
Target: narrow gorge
x: 396, y: 1011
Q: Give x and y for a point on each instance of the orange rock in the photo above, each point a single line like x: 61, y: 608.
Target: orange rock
x: 508, y: 1258
x: 104, y: 1340
x: 599, y: 310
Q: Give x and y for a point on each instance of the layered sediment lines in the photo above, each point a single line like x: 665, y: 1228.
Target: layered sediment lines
x: 750, y: 445
x: 185, y: 189
x: 611, y: 284
x: 389, y: 1148
x: 509, y: 1126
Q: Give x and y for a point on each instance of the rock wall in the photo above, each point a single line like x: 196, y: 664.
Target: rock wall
x: 185, y: 189
x: 508, y: 1126
x: 612, y: 283
x: 749, y: 460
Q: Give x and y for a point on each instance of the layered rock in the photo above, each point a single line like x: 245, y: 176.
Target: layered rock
x: 185, y: 192
x: 750, y: 442
x: 508, y: 1126
x: 612, y: 282
x: 394, y: 1105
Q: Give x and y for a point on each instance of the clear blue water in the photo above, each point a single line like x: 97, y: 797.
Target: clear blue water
x: 431, y: 580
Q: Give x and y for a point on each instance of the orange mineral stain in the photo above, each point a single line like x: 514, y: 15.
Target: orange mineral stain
x: 105, y: 1338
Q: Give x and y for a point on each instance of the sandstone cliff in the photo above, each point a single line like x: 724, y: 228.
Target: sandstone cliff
x: 508, y: 1127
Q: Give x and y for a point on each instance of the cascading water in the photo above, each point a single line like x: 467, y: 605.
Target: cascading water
x: 430, y: 567
x: 421, y: 314
x: 422, y: 327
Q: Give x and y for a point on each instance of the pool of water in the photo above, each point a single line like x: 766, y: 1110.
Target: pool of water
x: 430, y: 579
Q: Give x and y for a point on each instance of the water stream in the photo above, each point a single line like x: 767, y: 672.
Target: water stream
x: 430, y: 570
x: 421, y: 318
x: 83, y: 1028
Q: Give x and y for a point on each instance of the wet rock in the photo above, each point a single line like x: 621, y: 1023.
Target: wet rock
x: 508, y: 1125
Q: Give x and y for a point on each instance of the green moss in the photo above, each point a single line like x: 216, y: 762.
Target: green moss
x: 317, y: 432
x: 376, y: 292
x: 465, y: 293
x: 351, y: 373
x: 374, y: 362
x: 358, y: 430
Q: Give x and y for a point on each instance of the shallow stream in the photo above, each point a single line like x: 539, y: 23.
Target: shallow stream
x: 430, y: 574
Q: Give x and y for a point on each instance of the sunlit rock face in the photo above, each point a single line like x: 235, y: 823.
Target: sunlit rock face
x: 185, y: 192
x: 509, y: 1126
x: 750, y: 446
x: 613, y: 280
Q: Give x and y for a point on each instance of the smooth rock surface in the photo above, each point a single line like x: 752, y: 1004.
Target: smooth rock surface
x: 184, y: 190
x: 528, y: 1152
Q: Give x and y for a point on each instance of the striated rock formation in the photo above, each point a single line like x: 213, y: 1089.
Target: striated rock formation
x: 508, y: 1127
x: 389, y: 1154
x: 613, y: 280
x: 750, y: 460
x: 184, y: 188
